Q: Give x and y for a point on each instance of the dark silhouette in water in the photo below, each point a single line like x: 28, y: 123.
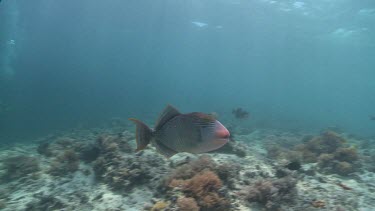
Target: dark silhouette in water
x: 372, y: 118
x: 239, y: 113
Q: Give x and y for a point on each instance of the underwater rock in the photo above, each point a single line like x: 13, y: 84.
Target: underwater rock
x: 19, y: 166
x: 272, y: 194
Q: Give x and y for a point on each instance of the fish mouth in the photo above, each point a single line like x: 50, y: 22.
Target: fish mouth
x: 221, y: 141
x: 226, y: 136
x: 221, y: 132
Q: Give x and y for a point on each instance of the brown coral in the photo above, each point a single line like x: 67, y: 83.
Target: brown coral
x: 202, y: 184
x: 187, y: 171
x: 226, y: 172
x: 204, y: 187
x: 187, y: 204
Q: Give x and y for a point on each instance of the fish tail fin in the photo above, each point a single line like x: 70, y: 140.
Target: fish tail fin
x: 143, y: 134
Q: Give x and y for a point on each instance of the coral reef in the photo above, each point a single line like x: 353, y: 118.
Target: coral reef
x: 65, y: 163
x: 205, y: 189
x: 108, y: 143
x: 125, y: 172
x: 226, y: 172
x: 329, y: 150
x: 19, y: 166
x: 348, y: 154
x: 327, y: 142
x: 202, y: 181
x: 187, y: 204
x: 272, y: 193
x: 97, y: 169
x: 159, y: 206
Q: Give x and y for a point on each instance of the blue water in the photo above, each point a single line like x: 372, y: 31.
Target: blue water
x: 297, y: 65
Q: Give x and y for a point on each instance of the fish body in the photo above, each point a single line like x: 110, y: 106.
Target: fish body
x: 175, y: 132
x: 239, y: 113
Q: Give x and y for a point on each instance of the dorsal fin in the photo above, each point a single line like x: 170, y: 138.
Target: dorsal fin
x: 168, y: 113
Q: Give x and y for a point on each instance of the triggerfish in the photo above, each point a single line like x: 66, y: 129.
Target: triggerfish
x: 175, y: 132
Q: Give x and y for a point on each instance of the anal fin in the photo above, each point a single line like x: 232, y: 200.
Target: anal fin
x: 164, y: 150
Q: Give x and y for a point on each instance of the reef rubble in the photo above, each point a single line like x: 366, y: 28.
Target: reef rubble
x: 266, y: 169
